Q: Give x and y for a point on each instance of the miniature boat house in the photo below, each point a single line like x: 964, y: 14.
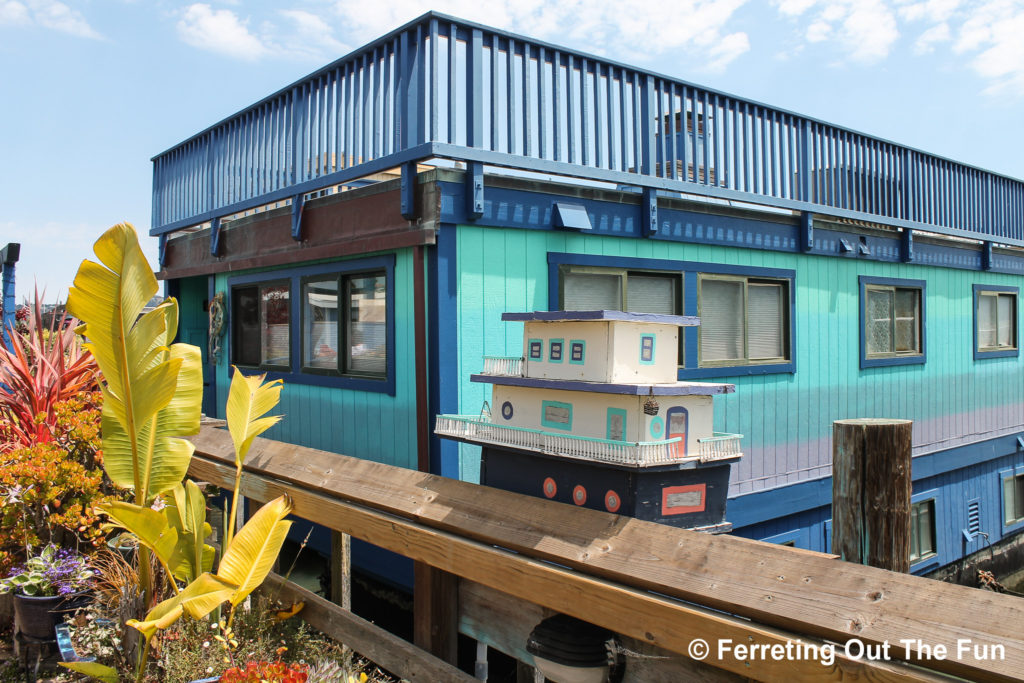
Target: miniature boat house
x: 593, y: 415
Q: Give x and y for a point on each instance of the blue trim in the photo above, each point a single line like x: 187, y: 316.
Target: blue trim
x: 552, y: 345
x: 910, y: 359
x: 796, y: 537
x: 933, y: 561
x: 294, y: 276
x: 681, y: 389
x: 689, y: 271
x: 1004, y: 474
x: 444, y: 326
x: 544, y: 405
x: 538, y: 346
x: 644, y: 338
x: 790, y: 499
x: 587, y: 316
x: 1009, y: 353
x: 621, y: 412
x: 582, y: 344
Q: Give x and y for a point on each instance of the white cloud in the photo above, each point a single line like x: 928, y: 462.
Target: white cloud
x: 636, y: 30
x: 219, y: 31
x: 927, y: 41
x: 47, y: 14
x: 819, y: 31
x: 296, y: 34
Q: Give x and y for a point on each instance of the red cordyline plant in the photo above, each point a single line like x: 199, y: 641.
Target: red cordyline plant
x: 41, y: 367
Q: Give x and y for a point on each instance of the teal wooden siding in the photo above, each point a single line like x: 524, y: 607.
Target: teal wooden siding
x: 368, y: 425
x: 786, y: 418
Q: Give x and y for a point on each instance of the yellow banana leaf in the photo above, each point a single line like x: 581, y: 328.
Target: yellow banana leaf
x: 149, y: 526
x: 199, y: 598
x: 153, y: 390
x: 248, y: 400
x: 186, y: 512
x: 100, y: 672
x: 254, y: 549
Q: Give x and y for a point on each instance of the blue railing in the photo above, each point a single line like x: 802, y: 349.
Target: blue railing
x: 444, y: 88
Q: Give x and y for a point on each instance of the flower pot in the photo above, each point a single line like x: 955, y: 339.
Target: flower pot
x: 36, y: 616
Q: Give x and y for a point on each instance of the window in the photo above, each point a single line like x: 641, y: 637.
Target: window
x: 585, y: 288
x: 995, y: 321
x: 743, y: 320
x: 260, y: 330
x: 892, y: 321
x: 922, y: 530
x: 1013, y: 499
x: 344, y: 321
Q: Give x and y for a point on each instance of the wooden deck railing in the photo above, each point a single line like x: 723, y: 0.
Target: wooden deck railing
x: 658, y: 587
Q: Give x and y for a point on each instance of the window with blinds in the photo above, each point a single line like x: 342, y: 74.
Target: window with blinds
x: 612, y: 289
x: 344, y: 324
x: 892, y: 319
x: 743, y: 320
x: 996, y: 317
x: 922, y: 530
x: 260, y: 325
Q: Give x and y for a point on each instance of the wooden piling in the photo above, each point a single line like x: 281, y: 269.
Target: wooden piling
x: 871, y: 490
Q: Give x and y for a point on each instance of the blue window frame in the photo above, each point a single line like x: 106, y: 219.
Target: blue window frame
x: 577, y: 351
x: 892, y: 322
x: 995, y: 322
x: 536, y: 349
x: 1012, y: 494
x: 927, y: 536
x: 611, y: 279
x: 340, y: 329
x: 555, y: 348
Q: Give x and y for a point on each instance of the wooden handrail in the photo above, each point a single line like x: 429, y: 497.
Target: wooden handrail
x: 629, y: 575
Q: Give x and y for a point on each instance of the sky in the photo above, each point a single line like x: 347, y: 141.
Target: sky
x: 91, y: 90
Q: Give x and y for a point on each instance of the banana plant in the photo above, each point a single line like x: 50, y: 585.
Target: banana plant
x: 152, y: 389
x: 152, y: 393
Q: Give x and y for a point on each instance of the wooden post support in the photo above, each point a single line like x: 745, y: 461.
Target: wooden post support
x: 341, y: 569
x: 436, y: 611
x: 871, y: 489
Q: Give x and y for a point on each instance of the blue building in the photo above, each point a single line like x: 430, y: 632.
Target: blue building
x: 367, y: 226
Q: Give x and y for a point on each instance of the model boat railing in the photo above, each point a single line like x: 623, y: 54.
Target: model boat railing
x: 641, y: 454
x: 503, y: 366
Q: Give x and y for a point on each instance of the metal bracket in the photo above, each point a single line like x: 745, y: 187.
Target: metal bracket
x: 474, y: 190
x: 298, y: 201
x: 806, y: 231
x: 408, y: 191
x: 215, y: 237
x: 986, y: 256
x: 649, y: 217
x: 162, y: 253
x: 907, y: 245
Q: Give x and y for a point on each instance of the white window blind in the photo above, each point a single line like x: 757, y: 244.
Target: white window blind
x: 721, y: 320
x: 651, y: 294
x: 764, y: 321
x: 1006, y: 319
x: 591, y: 292
x: 987, y: 316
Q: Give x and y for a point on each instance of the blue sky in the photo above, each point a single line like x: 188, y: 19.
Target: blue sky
x: 91, y: 90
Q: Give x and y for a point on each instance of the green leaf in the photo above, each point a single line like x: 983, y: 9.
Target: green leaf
x: 199, y: 598
x: 254, y: 549
x: 100, y: 672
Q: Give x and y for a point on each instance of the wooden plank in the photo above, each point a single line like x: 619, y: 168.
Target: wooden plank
x: 436, y: 611
x: 871, y: 491
x: 813, y: 596
x: 655, y: 619
x: 341, y: 570
x: 371, y: 641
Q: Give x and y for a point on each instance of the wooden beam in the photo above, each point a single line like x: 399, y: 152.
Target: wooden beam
x: 805, y: 593
x: 341, y: 569
x: 384, y: 649
x: 871, y: 490
x: 436, y: 611
x: 655, y: 619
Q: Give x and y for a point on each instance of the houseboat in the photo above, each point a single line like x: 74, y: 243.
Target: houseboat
x: 366, y: 227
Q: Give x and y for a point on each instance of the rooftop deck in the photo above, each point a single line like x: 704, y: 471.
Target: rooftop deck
x: 444, y: 89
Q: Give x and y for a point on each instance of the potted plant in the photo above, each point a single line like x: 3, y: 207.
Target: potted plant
x: 48, y: 585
